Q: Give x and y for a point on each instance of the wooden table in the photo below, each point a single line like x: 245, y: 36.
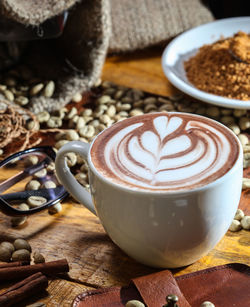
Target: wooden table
x: 77, y: 235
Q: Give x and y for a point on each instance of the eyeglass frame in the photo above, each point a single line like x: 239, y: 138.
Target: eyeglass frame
x: 11, y: 211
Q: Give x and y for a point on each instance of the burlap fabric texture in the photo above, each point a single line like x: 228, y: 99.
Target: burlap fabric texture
x: 95, y: 27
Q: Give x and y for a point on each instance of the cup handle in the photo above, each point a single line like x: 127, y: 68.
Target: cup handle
x: 67, y: 179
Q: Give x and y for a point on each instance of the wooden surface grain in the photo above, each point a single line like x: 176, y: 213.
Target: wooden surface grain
x: 76, y: 234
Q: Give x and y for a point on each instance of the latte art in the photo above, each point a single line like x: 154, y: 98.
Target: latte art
x: 164, y: 152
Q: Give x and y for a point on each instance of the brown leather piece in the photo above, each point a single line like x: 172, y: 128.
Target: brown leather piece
x: 155, y: 287
x: 108, y: 297
x: 225, y: 286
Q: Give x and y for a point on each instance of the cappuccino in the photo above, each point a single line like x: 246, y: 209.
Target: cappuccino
x: 164, y: 152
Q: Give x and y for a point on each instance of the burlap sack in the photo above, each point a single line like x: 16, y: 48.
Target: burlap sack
x: 75, y: 59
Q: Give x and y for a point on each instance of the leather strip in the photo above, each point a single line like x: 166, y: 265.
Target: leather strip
x: 224, y: 285
x: 154, y: 289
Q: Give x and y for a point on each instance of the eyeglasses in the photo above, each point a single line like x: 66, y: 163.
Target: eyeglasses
x: 28, y: 177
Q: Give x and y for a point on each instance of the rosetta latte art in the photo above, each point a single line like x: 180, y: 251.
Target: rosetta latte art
x: 166, y: 152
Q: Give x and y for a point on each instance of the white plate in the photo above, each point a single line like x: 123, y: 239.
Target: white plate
x: 187, y: 44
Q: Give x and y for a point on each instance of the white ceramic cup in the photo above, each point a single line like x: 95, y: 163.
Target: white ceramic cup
x: 159, y: 229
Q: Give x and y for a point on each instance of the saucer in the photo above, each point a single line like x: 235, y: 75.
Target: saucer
x: 187, y: 45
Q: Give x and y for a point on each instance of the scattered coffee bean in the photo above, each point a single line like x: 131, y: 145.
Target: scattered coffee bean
x: 5, y: 254
x: 235, y: 128
x: 245, y: 183
x: 22, y: 244
x: 77, y: 97
x: 60, y: 143
x: 50, y: 167
x: 54, y: 122
x: 36, y: 201
x: 36, y: 89
x: 150, y: 100
x: 104, y: 99
x: 81, y: 178
x: 32, y: 160
x: 49, y: 184
x: 40, y: 174
x: 33, y: 185
x: 227, y: 120
x: 72, y: 135
x: 33, y: 126
x: 244, y: 123
x: 55, y: 209
x: 21, y: 255
x: 43, y: 117
x: 23, y: 207
x: 8, y: 246
x: 71, y: 159
x: 245, y: 222
x: 239, y: 112
x: 9, y: 95
x: 134, y: 303
x: 235, y: 226
x: 18, y: 220
x: 207, y: 304
x: 72, y: 113
x: 38, y: 258
x: 49, y: 89
x: 239, y: 215
x: 136, y: 112
x: 36, y: 305
x: 243, y: 139
x: 21, y: 100
x: 213, y: 112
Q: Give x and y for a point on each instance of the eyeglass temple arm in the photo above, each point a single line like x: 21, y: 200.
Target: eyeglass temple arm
x: 21, y: 175
x: 46, y: 193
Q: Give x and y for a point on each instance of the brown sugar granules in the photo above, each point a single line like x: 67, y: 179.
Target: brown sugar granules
x: 215, y: 70
x: 240, y: 46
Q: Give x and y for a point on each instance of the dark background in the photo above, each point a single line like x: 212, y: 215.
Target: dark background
x: 229, y: 8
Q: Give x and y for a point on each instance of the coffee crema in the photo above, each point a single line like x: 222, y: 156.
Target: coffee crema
x: 164, y: 152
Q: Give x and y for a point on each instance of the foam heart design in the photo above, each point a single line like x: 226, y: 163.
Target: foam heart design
x: 167, y: 151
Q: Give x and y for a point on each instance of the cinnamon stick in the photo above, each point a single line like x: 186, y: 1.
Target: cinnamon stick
x: 25, y: 288
x: 53, y: 267
x: 13, y: 264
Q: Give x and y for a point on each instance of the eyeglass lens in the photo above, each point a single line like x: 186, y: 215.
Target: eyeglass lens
x: 29, y: 181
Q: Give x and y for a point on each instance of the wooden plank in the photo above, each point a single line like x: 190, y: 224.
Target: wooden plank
x: 140, y: 70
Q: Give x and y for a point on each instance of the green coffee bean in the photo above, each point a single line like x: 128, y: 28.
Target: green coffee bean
x: 18, y: 220
x: 55, y: 209
x: 77, y: 97
x: 21, y: 255
x: 8, y: 246
x: 239, y: 215
x: 38, y: 258
x: 22, y: 244
x: 134, y: 303
x: 5, y: 254
x: 40, y: 174
x: 207, y: 304
x: 36, y: 201
x: 235, y: 226
x: 33, y: 185
x: 36, y: 89
x: 49, y: 89
x: 245, y: 222
x: 49, y: 184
